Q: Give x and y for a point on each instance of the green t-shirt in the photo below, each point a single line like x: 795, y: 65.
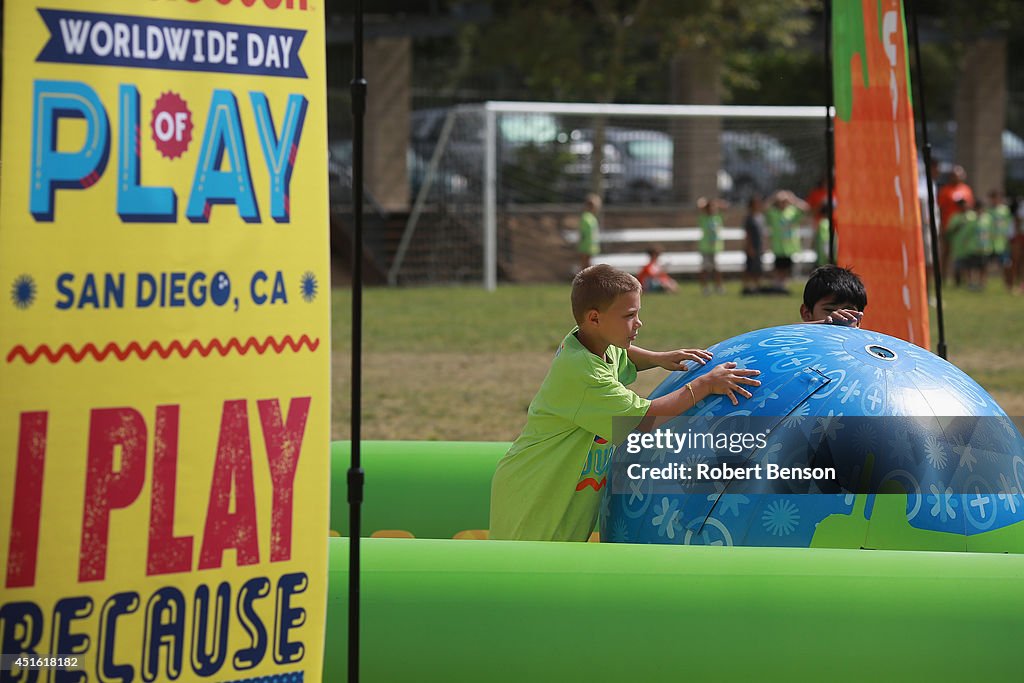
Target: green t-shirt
x: 710, y: 233
x: 1001, y: 227
x: 963, y: 233
x: 548, y: 486
x: 982, y: 245
x: 783, y: 229
x: 590, y: 234
x: 821, y: 241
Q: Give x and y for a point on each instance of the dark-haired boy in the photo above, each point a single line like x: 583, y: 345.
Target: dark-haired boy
x: 548, y: 486
x: 834, y: 295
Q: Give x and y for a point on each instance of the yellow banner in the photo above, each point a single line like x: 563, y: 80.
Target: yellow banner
x: 164, y: 340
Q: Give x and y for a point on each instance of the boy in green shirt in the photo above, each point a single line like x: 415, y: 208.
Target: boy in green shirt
x: 548, y: 486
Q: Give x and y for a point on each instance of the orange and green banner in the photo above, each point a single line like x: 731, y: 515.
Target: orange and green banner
x: 877, y: 213
x: 164, y: 340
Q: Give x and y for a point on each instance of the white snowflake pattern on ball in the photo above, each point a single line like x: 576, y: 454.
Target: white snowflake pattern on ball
x: 770, y: 454
x: 1008, y: 493
x: 902, y: 448
x: 944, y: 504
x: 728, y: 502
x: 797, y: 416
x: 731, y: 350
x: 842, y: 356
x: 965, y: 451
x: 828, y: 426
x: 666, y: 518
x: 934, y: 453
x: 864, y: 438
x: 781, y: 518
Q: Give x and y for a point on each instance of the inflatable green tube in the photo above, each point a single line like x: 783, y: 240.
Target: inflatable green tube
x: 431, y: 489
x: 449, y: 610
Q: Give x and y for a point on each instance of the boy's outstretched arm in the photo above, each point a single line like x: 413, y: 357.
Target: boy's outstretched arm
x: 725, y: 379
x: 670, y: 360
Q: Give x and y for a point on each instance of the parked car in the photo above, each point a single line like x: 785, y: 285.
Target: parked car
x: 638, y: 163
x: 532, y: 152
x: 756, y: 161
x: 339, y: 174
x: 751, y: 162
x: 541, y: 160
x: 577, y: 172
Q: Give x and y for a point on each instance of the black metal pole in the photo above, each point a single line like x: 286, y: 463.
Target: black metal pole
x: 355, y: 472
x: 830, y: 134
x: 932, y: 228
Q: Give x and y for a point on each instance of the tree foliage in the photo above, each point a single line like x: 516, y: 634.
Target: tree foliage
x: 599, y: 50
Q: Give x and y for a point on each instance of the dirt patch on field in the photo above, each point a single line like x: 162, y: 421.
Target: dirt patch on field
x: 442, y: 396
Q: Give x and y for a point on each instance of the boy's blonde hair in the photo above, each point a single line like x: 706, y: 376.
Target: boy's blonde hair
x: 597, y: 287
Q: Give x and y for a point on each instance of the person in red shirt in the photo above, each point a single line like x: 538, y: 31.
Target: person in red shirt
x: 816, y: 200
x: 652, y: 278
x: 950, y: 195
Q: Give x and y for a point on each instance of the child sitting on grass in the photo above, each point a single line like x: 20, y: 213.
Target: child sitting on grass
x: 835, y: 296
x: 548, y: 486
x: 653, y: 277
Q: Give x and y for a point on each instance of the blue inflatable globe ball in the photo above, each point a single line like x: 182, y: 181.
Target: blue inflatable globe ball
x: 926, y: 458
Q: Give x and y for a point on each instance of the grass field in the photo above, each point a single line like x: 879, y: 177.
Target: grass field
x: 459, y: 363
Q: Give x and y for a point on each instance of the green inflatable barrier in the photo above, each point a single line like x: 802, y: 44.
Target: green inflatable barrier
x: 430, y: 489
x: 447, y: 610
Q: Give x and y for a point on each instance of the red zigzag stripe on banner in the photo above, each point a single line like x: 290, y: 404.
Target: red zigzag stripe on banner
x: 134, y: 348
x: 592, y: 483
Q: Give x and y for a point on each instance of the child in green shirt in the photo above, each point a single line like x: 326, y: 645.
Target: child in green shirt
x: 967, y: 233
x: 710, y: 221
x: 590, y: 230
x: 548, y: 486
x: 783, y: 218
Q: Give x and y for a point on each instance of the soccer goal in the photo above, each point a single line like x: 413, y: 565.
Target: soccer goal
x: 482, y: 172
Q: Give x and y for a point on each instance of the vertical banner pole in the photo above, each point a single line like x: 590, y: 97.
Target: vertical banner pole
x: 830, y: 140
x: 355, y: 473
x: 490, y: 200
x: 927, y: 149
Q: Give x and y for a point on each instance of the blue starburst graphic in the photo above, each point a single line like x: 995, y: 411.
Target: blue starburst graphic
x: 309, y: 286
x: 23, y: 291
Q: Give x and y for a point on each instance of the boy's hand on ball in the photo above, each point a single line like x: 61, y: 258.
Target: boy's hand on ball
x: 676, y: 360
x: 727, y: 379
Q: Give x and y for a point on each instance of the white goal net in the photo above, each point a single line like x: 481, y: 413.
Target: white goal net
x: 481, y: 172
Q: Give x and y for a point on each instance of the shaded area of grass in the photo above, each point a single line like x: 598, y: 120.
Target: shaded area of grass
x: 460, y: 363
